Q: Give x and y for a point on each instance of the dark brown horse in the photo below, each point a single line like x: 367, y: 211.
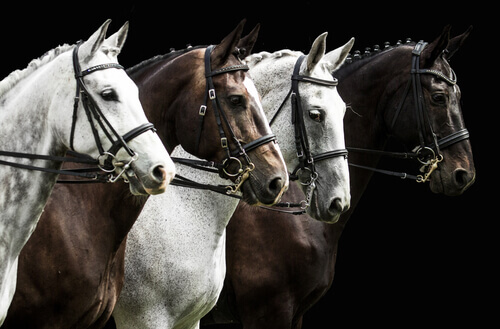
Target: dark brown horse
x: 68, y: 276
x: 279, y: 265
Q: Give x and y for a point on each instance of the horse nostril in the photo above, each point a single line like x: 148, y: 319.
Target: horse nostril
x: 276, y: 185
x: 337, y: 206
x: 461, y: 177
x: 159, y: 174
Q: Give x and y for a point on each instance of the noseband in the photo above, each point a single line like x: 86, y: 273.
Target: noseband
x: 429, y: 155
x: 93, y: 113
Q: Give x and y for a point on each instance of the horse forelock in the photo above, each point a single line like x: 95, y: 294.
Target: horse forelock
x: 16, y: 76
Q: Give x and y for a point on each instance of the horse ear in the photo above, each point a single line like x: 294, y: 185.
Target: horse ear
x: 457, y: 42
x: 223, y: 50
x: 92, y: 45
x: 117, y: 40
x: 317, y: 52
x: 335, y: 58
x: 435, y: 49
x: 246, y: 44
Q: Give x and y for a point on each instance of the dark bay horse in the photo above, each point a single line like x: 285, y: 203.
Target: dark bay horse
x: 68, y: 277
x: 280, y: 265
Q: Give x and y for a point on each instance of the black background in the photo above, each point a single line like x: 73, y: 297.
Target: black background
x: 407, y: 256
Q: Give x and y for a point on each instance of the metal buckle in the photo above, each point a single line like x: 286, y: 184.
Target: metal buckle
x: 211, y: 94
x: 223, y: 142
x: 203, y: 110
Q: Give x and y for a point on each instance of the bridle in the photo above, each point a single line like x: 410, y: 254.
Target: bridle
x: 94, y: 115
x: 305, y: 172
x: 93, y: 112
x: 429, y: 155
x: 241, y: 173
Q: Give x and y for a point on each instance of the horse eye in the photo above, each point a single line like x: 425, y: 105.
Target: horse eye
x: 317, y: 115
x: 439, y: 98
x: 235, y: 100
x: 109, y: 95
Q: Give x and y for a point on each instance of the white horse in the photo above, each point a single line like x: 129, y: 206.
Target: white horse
x: 323, y: 111
x: 175, y: 259
x: 37, y: 108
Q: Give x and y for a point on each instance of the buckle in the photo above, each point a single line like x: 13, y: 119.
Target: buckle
x: 203, y: 110
x: 211, y: 94
x: 223, y: 142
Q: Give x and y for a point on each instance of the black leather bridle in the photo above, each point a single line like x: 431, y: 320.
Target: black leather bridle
x: 305, y: 172
x: 306, y: 158
x: 241, y: 173
x: 429, y: 155
x: 94, y: 115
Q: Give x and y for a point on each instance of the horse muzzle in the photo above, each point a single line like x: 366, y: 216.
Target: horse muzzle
x: 150, y: 182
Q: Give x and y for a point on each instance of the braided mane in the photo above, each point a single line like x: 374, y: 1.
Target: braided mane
x: 168, y: 56
x: 171, y: 56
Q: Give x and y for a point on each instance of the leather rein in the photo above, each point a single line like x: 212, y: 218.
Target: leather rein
x: 104, y: 163
x: 429, y: 155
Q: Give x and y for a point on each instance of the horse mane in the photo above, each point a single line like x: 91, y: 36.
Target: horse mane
x: 358, y: 59
x: 258, y: 57
x: 16, y: 76
x: 173, y: 54
x: 168, y: 57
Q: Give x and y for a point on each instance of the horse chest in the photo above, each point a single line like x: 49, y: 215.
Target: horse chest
x: 175, y: 259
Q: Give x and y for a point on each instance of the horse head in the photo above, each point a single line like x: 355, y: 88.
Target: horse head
x: 317, y: 121
x: 223, y: 121
x: 433, y: 116
x: 117, y: 120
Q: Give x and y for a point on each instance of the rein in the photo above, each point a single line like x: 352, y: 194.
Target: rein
x: 429, y: 155
x: 105, y: 166
x: 241, y: 174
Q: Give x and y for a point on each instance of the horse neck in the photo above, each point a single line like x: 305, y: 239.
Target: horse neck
x: 272, y: 78
x: 363, y: 86
x: 163, y: 92
x: 26, y: 127
x: 27, y: 124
